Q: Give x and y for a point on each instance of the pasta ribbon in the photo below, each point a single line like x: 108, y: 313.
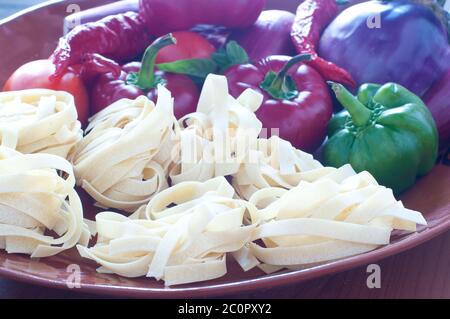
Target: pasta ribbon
x: 274, y: 162
x: 336, y: 216
x: 223, y: 139
x: 39, y: 121
x: 36, y: 202
x: 124, y: 159
x: 215, y: 140
x: 181, y: 236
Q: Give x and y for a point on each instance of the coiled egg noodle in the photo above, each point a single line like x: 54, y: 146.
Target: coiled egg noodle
x: 223, y: 139
x: 34, y: 200
x: 215, y: 140
x: 181, y: 236
x: 124, y: 159
x: 336, y: 216
x: 39, y: 121
x: 274, y: 162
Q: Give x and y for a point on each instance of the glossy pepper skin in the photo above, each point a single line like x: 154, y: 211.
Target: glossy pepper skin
x: 138, y: 78
x: 163, y: 16
x: 269, y: 35
x: 312, y: 17
x: 386, y: 130
x: 410, y: 48
x: 118, y: 37
x: 301, y: 113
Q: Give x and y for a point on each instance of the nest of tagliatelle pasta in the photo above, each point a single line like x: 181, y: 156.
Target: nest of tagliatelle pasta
x: 179, y: 197
x: 39, y: 121
x: 40, y: 211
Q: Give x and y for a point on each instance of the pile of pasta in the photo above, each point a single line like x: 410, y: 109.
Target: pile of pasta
x: 223, y: 139
x: 181, y: 236
x: 337, y: 215
x: 40, y: 212
x: 214, y: 141
x: 39, y: 121
x: 282, y: 209
x: 124, y: 159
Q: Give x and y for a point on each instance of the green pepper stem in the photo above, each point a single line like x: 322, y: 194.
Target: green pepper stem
x: 359, y: 112
x: 279, y: 79
x: 146, y: 76
x: 280, y: 85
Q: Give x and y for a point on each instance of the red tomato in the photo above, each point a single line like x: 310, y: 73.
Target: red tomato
x: 35, y: 75
x: 190, y: 45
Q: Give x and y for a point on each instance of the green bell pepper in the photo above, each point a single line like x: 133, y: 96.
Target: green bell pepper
x: 385, y: 130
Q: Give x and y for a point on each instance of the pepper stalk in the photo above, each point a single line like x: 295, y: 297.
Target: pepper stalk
x: 145, y: 79
x: 359, y: 113
x: 280, y: 85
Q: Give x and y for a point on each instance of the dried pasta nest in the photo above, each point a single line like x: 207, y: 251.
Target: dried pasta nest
x: 339, y: 214
x: 181, y: 236
x: 36, y: 202
x: 39, y: 121
x: 123, y: 160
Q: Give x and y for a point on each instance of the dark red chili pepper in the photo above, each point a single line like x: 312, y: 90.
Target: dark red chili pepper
x: 138, y: 79
x: 119, y: 37
x: 296, y: 98
x: 163, y: 16
x: 311, y: 19
x: 100, y: 12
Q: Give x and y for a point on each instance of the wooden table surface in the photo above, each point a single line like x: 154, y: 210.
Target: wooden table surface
x: 423, y: 272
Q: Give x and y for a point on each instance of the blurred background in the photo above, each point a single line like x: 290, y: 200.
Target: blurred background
x: 8, y: 7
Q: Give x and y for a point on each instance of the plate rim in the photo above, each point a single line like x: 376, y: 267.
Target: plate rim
x: 242, y: 286
x: 30, y: 9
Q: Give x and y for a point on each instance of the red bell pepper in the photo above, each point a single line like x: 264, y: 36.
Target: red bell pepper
x: 138, y: 79
x: 311, y: 19
x: 297, y: 101
x: 164, y: 16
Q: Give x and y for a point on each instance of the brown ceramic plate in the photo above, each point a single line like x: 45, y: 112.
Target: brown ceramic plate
x: 33, y: 34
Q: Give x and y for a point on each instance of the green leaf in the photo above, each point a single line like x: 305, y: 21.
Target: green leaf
x: 232, y: 54
x: 236, y: 53
x: 193, y: 67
